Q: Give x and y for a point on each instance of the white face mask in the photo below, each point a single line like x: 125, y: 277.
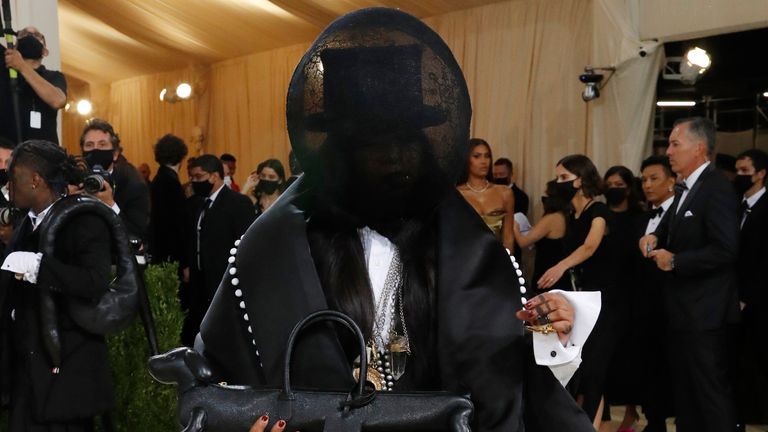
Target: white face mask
x: 228, y: 181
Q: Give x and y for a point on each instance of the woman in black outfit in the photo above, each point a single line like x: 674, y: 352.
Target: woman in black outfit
x: 624, y: 203
x: 548, y: 235
x: 591, y: 265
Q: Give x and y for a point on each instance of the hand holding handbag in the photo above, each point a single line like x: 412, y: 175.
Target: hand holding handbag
x: 219, y: 407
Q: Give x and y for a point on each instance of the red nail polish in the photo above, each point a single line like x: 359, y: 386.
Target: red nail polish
x: 281, y: 423
x: 264, y: 418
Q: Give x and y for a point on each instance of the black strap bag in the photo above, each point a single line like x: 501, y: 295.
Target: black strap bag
x: 114, y: 310
x: 219, y: 407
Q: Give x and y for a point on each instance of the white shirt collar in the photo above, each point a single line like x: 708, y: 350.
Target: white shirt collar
x: 691, y: 180
x: 37, y: 218
x: 751, y: 201
x: 666, y: 204
x: 213, y: 196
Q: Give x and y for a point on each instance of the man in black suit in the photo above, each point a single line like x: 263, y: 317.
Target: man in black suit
x: 44, y: 397
x: 502, y: 174
x: 167, y: 235
x: 697, y: 243
x: 657, y: 179
x: 220, y: 221
x: 752, y: 354
x: 101, y: 146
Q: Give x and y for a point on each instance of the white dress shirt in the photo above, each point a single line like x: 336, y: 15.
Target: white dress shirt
x: 751, y: 201
x: 689, y: 182
x: 653, y: 223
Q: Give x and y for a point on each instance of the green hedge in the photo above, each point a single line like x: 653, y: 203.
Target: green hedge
x: 142, y: 403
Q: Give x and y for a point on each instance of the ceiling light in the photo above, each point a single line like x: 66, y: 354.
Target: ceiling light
x: 689, y: 68
x: 699, y: 58
x: 84, y: 107
x: 162, y: 94
x: 675, y: 103
x: 765, y: 94
x: 184, y: 90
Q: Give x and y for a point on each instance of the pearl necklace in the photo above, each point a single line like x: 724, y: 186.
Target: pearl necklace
x: 487, y: 185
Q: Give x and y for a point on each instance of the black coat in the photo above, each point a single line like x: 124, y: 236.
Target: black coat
x: 521, y: 200
x: 753, y: 256
x: 80, y: 267
x: 481, y: 347
x: 701, y: 293
x: 132, y: 196
x: 225, y: 221
x: 167, y: 230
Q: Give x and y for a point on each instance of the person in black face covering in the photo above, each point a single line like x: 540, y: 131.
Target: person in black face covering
x: 42, y: 92
x: 624, y: 204
x: 223, y: 218
x: 269, y: 184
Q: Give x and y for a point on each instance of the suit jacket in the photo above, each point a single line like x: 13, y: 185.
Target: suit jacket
x: 167, y: 230
x: 132, y: 196
x: 704, y: 236
x: 753, y: 256
x: 521, y: 200
x: 481, y: 348
x: 225, y: 221
x: 80, y: 267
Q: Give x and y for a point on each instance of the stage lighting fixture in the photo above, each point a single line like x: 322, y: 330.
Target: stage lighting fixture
x: 690, y: 68
x: 184, y: 90
x: 84, y: 107
x: 592, y: 81
x: 765, y: 94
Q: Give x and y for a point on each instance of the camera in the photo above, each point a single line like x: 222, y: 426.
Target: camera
x: 590, y: 77
x: 97, y: 179
x: 9, y: 215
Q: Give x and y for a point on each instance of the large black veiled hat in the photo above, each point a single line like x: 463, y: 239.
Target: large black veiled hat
x: 376, y: 71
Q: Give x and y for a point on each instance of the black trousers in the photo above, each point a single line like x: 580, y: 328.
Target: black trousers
x: 699, y: 373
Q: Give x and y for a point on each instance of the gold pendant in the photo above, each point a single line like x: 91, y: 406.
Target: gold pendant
x: 372, y: 376
x: 543, y: 329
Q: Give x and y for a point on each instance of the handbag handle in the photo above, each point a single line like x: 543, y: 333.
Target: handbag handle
x: 316, y: 317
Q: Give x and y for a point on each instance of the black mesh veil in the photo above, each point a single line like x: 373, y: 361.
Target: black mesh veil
x: 373, y: 71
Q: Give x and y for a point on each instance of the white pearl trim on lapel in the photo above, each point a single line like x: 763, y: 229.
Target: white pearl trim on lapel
x: 234, y: 281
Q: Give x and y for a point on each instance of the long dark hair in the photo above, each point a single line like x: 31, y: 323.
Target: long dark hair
x: 633, y: 199
x: 583, y: 168
x: 339, y: 256
x: 279, y: 170
x: 474, y: 142
x: 57, y: 168
x: 553, y: 203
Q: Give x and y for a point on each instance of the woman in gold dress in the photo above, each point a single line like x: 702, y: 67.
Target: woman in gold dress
x: 494, y: 203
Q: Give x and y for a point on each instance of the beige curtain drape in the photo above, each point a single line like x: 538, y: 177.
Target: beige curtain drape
x: 521, y: 60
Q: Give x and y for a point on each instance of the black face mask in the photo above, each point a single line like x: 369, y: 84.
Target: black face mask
x: 501, y: 181
x: 99, y: 157
x: 742, y: 183
x: 615, y: 196
x: 565, y: 190
x: 202, y: 188
x: 30, y: 48
x: 267, y: 187
x: 3, y: 177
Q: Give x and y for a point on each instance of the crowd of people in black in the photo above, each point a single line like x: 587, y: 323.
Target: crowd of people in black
x: 680, y: 276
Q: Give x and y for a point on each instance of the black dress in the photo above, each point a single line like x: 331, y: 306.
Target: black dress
x: 549, y: 252
x: 601, y: 272
x: 623, y: 378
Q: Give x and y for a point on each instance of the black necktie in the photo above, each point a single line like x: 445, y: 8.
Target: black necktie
x: 205, y: 208
x: 680, y: 188
x: 657, y: 212
x: 743, y: 209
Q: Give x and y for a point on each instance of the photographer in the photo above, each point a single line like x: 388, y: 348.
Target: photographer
x: 42, y: 92
x: 44, y: 397
x: 130, y: 197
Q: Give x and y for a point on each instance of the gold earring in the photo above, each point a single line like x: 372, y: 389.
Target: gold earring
x: 33, y: 186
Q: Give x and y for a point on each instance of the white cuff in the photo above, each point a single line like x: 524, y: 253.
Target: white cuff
x: 26, y: 264
x: 563, y: 361
x: 116, y: 208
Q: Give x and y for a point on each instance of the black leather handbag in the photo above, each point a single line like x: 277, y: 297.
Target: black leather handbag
x: 218, y: 408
